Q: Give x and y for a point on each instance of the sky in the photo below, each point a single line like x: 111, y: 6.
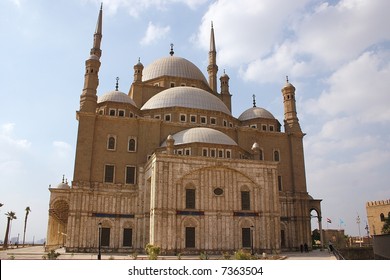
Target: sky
x: 336, y: 53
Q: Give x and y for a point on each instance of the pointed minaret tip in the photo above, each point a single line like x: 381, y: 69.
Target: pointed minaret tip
x: 212, y: 39
x: 97, y: 37
x: 99, y: 22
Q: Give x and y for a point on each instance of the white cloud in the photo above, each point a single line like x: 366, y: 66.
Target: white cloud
x: 12, y: 151
x: 338, y: 33
x: 246, y: 30
x: 359, y: 88
x: 16, y: 3
x: 136, y: 7
x: 62, y: 150
x: 270, y: 39
x: 154, y: 33
x: 8, y: 139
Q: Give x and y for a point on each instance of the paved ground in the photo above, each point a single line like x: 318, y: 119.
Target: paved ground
x: 36, y: 253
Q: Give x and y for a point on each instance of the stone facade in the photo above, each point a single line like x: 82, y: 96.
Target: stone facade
x: 377, y: 212
x: 168, y: 164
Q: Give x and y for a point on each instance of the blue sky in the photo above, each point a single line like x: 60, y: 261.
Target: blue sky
x: 336, y: 53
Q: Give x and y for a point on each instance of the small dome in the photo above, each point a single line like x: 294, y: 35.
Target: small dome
x: 288, y: 85
x: 201, y: 135
x: 116, y: 96
x: 63, y: 186
x: 172, y: 66
x: 188, y: 97
x: 254, y: 113
x: 139, y: 64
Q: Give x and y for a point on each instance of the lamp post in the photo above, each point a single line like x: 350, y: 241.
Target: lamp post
x: 100, y: 241
x: 252, y: 228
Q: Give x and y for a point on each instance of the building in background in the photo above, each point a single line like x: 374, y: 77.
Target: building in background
x: 377, y: 213
x: 168, y: 164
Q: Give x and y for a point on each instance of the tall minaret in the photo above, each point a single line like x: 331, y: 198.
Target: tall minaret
x: 291, y: 122
x: 87, y: 114
x: 88, y: 98
x: 212, y: 68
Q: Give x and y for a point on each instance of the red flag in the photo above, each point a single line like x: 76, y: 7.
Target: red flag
x: 329, y: 220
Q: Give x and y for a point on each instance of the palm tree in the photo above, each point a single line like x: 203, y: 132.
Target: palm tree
x: 10, y: 216
x: 28, y: 210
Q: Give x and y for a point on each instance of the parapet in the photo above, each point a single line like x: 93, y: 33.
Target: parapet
x: 378, y: 203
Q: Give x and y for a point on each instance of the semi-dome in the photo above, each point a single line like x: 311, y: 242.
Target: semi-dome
x: 172, y: 66
x: 116, y: 96
x: 201, y: 135
x: 254, y: 113
x: 188, y: 97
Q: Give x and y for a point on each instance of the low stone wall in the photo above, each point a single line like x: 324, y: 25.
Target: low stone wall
x: 357, y: 253
x: 382, y: 246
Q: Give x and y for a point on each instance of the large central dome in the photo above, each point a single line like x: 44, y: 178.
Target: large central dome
x: 172, y: 66
x: 188, y: 97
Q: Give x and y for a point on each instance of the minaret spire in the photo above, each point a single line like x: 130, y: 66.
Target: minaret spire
x: 88, y: 98
x: 212, y: 39
x: 212, y: 68
x: 97, y: 37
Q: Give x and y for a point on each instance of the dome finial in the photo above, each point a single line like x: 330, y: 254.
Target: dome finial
x: 139, y: 59
x: 171, y: 52
x: 254, y: 100
x: 117, y: 84
x: 287, y: 79
x: 63, y: 178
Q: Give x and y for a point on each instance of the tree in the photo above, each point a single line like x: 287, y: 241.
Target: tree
x: 386, y: 225
x: 10, y: 216
x: 28, y: 210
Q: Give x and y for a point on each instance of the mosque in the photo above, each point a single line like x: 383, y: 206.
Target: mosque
x: 168, y: 164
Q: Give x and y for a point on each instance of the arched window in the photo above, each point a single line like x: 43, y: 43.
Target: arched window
x: 132, y: 145
x: 190, y: 198
x: 127, y: 237
x: 245, y: 200
x: 276, y: 156
x: 382, y: 217
x: 190, y: 237
x: 111, y: 143
x: 261, y: 156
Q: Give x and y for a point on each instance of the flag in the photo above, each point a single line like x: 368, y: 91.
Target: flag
x: 328, y: 220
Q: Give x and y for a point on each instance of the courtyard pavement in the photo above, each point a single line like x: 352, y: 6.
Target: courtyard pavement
x: 37, y: 252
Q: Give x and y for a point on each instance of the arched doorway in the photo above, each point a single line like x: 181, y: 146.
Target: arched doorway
x: 316, y: 223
